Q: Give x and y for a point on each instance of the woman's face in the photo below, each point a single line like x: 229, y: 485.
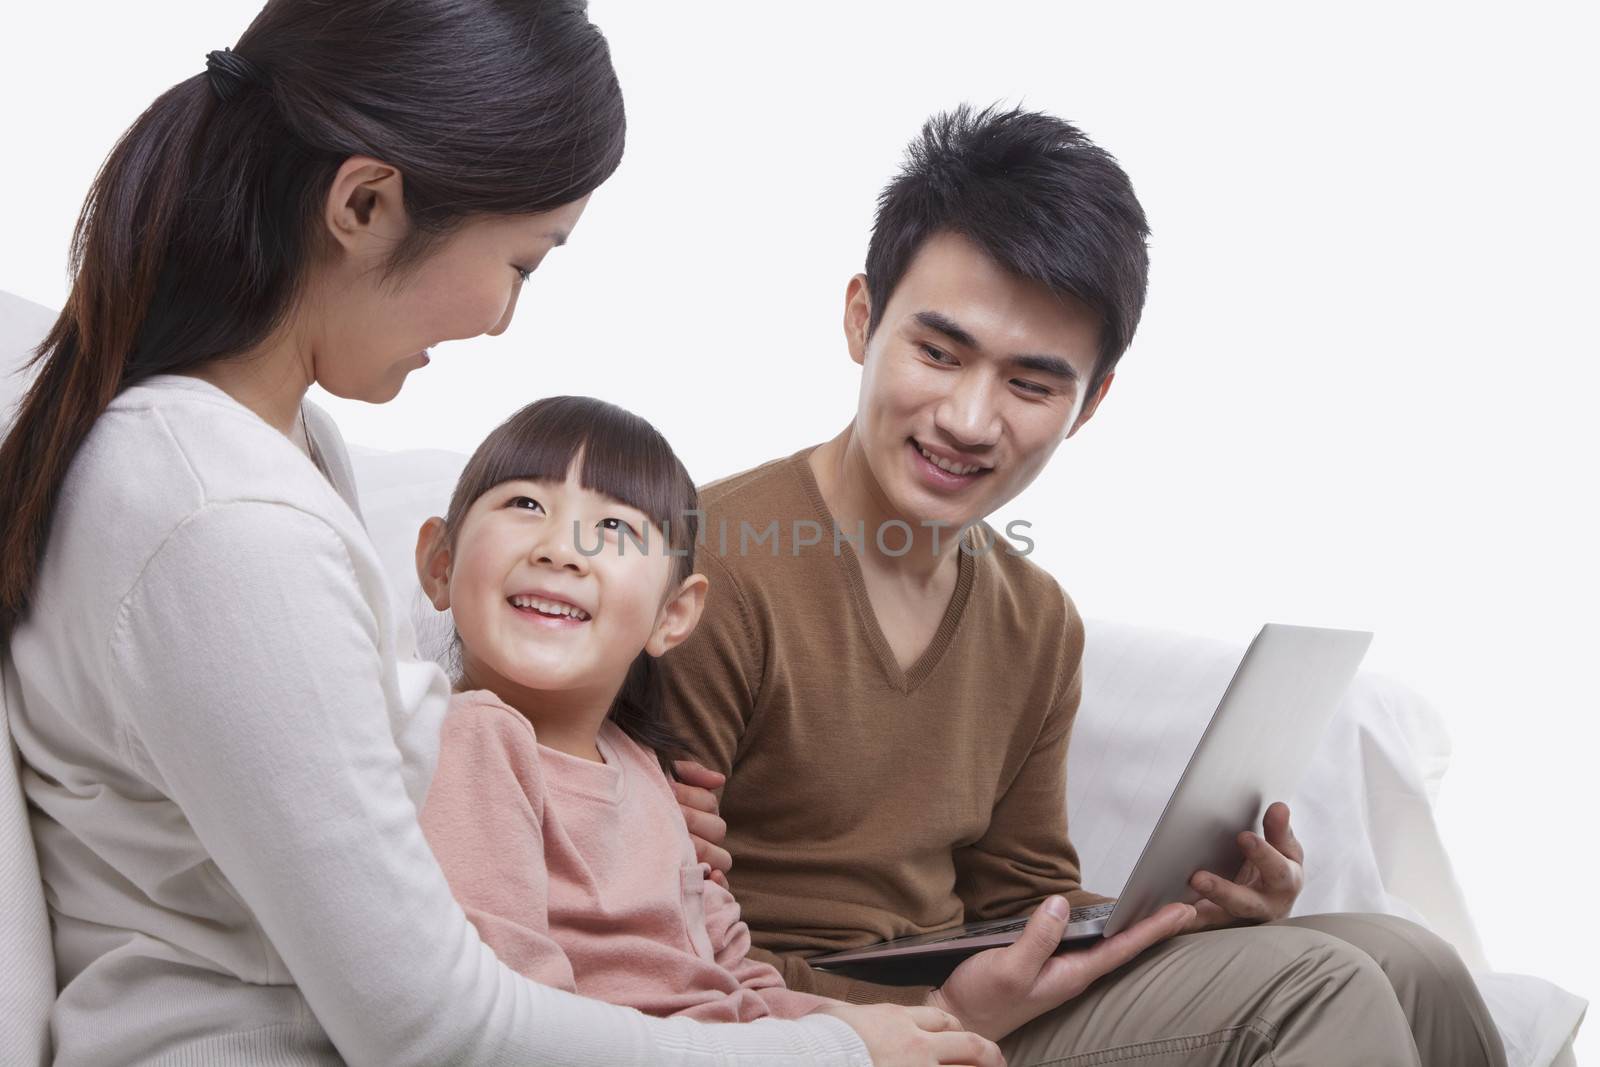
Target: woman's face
x: 368, y: 334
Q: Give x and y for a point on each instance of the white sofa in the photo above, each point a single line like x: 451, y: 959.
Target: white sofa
x: 1364, y: 810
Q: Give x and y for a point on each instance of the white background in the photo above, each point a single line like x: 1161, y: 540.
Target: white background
x: 1360, y: 396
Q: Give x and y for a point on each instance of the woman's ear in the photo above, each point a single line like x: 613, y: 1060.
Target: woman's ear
x: 433, y: 563
x: 365, y: 212
x: 679, y: 615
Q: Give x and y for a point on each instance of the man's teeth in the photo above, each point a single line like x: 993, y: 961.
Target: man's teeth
x: 549, y: 607
x: 945, y: 465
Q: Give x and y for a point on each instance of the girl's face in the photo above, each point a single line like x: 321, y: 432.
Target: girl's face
x: 537, y: 614
x: 366, y: 333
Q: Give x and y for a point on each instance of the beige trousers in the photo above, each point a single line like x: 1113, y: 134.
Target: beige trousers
x: 1319, y: 991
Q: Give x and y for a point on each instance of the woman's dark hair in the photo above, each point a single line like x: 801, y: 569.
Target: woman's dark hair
x: 195, y: 240
x: 1037, y: 196
x: 625, y: 458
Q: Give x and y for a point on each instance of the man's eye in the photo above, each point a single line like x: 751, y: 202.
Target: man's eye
x: 936, y: 355
x: 1031, y: 387
x: 524, y: 502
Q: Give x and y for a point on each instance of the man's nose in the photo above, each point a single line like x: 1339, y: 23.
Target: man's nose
x: 970, y: 414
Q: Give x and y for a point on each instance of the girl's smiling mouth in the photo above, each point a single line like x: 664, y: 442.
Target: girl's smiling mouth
x: 558, y: 611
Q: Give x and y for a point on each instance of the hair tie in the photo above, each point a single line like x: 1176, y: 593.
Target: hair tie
x: 230, y: 74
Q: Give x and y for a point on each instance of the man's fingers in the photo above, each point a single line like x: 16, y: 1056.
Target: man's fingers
x: 1118, y: 949
x: 1042, y: 936
x: 1279, y: 834
x: 1277, y: 872
x: 698, y: 774
x: 705, y: 825
x: 719, y: 858
x: 1231, y: 897
x: 692, y: 796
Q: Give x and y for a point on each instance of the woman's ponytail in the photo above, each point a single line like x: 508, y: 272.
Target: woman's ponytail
x: 115, y: 257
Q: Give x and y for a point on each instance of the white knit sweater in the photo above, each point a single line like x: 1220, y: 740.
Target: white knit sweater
x: 226, y: 736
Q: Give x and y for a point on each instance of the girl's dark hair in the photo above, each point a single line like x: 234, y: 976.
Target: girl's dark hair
x: 195, y: 240
x: 1038, y: 197
x: 625, y: 458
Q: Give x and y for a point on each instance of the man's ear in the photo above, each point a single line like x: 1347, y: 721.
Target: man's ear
x: 365, y: 210
x: 1092, y: 404
x: 857, y: 314
x: 679, y: 615
x: 433, y: 563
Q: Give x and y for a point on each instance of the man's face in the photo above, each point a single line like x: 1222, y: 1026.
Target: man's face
x: 980, y: 370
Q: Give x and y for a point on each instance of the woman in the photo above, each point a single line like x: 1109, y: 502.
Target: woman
x: 225, y: 732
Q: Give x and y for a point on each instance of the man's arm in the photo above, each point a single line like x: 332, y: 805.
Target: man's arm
x: 1026, y: 855
x: 711, y: 683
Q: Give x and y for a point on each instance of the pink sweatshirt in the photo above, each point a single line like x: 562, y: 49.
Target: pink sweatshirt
x: 581, y: 875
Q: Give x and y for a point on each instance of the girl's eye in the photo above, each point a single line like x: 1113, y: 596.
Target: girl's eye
x: 937, y: 356
x: 524, y: 502
x: 614, y: 523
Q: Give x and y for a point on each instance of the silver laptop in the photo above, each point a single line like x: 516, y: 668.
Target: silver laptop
x: 1257, y: 745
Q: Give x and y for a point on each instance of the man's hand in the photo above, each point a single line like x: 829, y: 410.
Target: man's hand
x: 706, y: 827
x: 998, y: 990
x: 1265, y: 887
x: 897, y: 1036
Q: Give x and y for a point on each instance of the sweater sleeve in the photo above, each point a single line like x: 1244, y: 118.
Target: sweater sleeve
x: 247, y: 667
x: 730, y: 938
x: 484, y: 821
x: 710, y: 681
x: 1025, y: 854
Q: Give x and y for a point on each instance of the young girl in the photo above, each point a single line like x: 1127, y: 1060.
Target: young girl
x: 566, y: 559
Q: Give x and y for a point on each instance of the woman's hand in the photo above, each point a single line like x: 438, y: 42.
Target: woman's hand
x: 699, y: 805
x: 998, y: 990
x: 1265, y: 888
x: 897, y: 1036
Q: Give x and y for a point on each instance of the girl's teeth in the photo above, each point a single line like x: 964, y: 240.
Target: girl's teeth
x: 550, y: 607
x: 945, y: 465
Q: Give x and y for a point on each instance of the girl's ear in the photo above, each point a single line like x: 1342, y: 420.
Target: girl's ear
x: 433, y: 563
x: 679, y: 615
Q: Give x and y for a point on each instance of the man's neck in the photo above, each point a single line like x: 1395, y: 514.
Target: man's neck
x: 856, y: 501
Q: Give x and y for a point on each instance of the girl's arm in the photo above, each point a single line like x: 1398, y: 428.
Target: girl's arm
x: 483, y: 820
x: 730, y: 937
x: 247, y: 669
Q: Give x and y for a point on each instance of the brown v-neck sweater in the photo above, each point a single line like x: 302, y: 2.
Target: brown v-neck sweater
x: 863, y: 801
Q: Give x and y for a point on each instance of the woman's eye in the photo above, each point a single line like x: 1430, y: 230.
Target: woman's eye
x: 524, y: 502
x: 523, y: 272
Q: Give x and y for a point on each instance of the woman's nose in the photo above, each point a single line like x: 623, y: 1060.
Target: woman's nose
x: 511, y: 309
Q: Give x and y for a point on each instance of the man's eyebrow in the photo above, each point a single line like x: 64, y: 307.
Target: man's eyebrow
x: 1052, y: 365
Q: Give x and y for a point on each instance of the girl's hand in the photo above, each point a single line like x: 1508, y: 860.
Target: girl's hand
x: 699, y: 805
x: 999, y: 989
x: 897, y: 1036
x: 1265, y: 888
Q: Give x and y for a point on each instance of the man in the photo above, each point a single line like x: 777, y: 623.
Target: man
x: 889, y: 685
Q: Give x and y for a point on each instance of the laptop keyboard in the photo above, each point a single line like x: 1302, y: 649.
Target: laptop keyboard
x: 1094, y: 911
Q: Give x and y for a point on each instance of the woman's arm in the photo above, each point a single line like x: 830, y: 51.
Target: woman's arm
x: 248, y: 667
